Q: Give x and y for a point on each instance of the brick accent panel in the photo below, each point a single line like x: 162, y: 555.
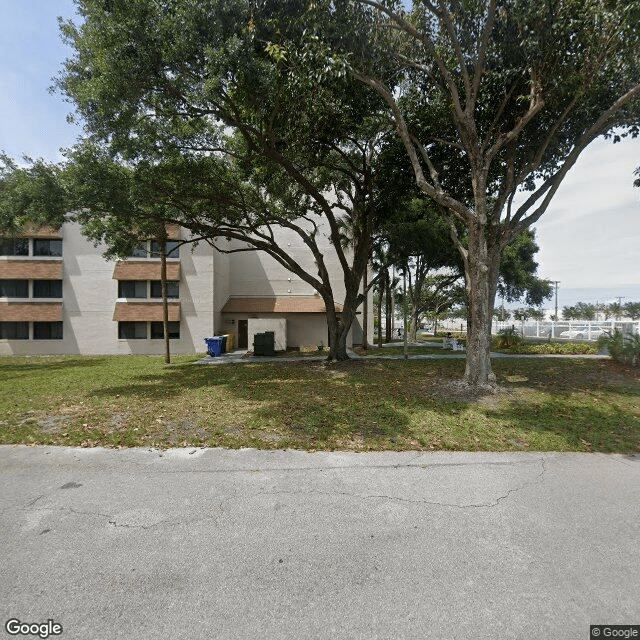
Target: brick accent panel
x: 145, y: 270
x: 30, y: 269
x: 33, y: 231
x: 30, y: 311
x: 144, y: 312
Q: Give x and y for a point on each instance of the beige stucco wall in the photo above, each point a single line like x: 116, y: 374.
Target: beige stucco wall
x: 89, y: 298
x: 255, y: 273
x: 308, y: 330
x: 221, y: 290
x: 277, y: 325
x: 302, y: 329
x: 208, y: 278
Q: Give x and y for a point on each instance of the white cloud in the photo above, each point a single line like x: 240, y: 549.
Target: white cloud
x: 590, y: 234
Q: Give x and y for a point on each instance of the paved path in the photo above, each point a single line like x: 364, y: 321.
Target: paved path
x: 224, y: 544
x: 240, y: 356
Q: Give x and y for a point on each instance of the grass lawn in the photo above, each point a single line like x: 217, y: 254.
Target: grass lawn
x: 563, y: 405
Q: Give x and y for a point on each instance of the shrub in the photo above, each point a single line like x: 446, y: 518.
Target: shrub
x: 560, y: 348
x: 519, y: 345
x: 624, y: 348
x: 507, y: 339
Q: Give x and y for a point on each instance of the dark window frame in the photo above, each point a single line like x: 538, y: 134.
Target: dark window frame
x: 49, y: 283
x: 5, y: 286
x: 48, y: 331
x: 155, y: 289
x: 136, y: 284
x: 157, y: 330
x: 173, y: 249
x: 14, y: 246
x: 124, y: 325
x: 141, y: 251
x: 47, y: 247
x: 14, y: 328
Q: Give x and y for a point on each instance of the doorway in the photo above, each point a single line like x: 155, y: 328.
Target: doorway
x: 243, y: 336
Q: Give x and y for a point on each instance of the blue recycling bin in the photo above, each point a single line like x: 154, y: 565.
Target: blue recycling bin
x: 214, y: 345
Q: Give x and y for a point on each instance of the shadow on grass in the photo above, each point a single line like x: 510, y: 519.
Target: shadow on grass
x: 364, y: 404
x: 571, y: 426
x: 310, y: 401
x: 559, y: 376
x: 19, y: 367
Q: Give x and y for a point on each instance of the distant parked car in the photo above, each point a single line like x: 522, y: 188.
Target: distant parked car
x: 583, y: 333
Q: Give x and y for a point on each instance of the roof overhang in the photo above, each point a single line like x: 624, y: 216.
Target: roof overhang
x: 277, y: 304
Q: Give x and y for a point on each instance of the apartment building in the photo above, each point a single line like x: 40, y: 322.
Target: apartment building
x: 58, y: 295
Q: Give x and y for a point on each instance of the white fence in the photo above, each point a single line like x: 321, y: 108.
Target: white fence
x: 562, y: 330
x: 568, y: 329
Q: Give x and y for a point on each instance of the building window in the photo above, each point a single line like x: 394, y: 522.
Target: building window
x: 47, y: 247
x: 14, y: 288
x: 157, y: 331
x: 132, y: 288
x: 132, y: 330
x: 173, y: 249
x: 14, y: 330
x: 47, y: 330
x: 140, y: 251
x: 151, y: 249
x: 173, y: 289
x: 47, y: 288
x: 14, y: 247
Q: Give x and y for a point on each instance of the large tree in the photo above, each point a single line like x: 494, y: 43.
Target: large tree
x: 241, y: 133
x: 504, y: 93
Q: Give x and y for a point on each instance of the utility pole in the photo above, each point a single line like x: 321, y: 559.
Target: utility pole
x: 620, y: 306
x: 556, y: 282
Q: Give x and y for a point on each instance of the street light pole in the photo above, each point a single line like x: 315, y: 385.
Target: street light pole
x: 556, y: 282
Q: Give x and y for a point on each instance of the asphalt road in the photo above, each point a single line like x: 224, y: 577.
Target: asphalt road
x: 194, y: 543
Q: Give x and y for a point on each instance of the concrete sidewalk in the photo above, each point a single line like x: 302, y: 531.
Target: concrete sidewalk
x: 240, y: 356
x: 234, y: 544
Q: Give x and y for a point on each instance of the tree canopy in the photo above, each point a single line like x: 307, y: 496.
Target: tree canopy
x: 31, y: 194
x: 492, y: 98
x: 240, y: 135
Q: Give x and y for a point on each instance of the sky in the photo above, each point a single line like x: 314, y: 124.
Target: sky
x: 589, y: 237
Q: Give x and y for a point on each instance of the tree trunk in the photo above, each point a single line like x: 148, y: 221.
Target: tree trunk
x: 165, y: 300
x: 380, y: 296
x: 413, y: 327
x: 338, y: 331
x: 365, y: 311
x: 338, y: 325
x: 381, y: 291
x: 481, y: 269
x: 388, y: 310
x: 393, y: 303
